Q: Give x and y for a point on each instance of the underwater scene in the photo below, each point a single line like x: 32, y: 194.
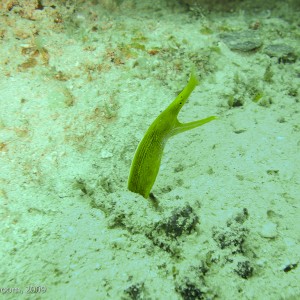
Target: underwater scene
x: 150, y: 149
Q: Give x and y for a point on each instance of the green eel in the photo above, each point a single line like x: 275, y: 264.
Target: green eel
x: 147, y: 158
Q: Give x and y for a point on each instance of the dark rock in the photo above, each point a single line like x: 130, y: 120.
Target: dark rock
x: 284, y: 53
x: 290, y: 267
x: 189, y: 291
x: 231, y: 237
x: 244, y: 41
x: 182, y: 220
x: 244, y: 269
x: 135, y: 292
x: 164, y: 234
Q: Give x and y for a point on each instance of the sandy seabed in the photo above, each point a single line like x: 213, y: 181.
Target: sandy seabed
x: 81, y: 81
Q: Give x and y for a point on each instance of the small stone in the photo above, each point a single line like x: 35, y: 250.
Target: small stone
x: 269, y: 230
x: 106, y: 154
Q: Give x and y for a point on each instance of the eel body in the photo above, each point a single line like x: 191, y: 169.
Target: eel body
x: 147, y: 158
